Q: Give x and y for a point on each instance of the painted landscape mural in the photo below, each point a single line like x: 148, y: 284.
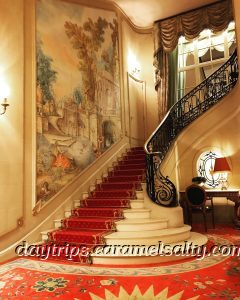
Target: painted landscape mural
x: 78, y: 93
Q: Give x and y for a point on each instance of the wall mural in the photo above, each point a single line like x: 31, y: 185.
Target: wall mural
x: 78, y: 93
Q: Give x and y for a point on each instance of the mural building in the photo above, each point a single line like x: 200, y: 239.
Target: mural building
x: 78, y: 91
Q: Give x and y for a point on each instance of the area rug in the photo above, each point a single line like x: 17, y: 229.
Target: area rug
x: 214, y: 277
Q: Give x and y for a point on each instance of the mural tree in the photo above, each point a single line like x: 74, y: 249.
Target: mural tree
x: 87, y: 40
x: 46, y: 76
x: 110, y: 56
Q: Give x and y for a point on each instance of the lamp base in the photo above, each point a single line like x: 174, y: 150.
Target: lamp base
x: 224, y: 185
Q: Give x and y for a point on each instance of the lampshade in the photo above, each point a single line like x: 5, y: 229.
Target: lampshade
x: 221, y: 165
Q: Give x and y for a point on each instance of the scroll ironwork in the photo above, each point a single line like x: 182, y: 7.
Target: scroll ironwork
x: 159, y: 187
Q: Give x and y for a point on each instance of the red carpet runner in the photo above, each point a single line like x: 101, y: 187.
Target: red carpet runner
x: 95, y: 217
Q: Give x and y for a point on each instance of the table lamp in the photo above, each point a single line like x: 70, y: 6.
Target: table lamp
x: 221, y: 166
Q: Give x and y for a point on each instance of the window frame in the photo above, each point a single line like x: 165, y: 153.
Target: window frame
x: 198, y: 66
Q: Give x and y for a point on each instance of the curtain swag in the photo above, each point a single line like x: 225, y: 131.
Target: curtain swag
x: 215, y: 17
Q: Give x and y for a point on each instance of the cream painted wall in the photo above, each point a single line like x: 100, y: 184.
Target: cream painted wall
x: 141, y: 46
x: 218, y: 128
x: 11, y: 124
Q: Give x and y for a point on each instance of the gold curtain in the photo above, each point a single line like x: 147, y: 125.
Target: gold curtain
x: 161, y: 64
x: 215, y: 17
x: 167, y: 32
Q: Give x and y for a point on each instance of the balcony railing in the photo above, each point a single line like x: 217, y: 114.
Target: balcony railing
x: 159, y: 187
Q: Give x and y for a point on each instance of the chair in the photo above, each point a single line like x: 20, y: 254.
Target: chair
x: 196, y: 203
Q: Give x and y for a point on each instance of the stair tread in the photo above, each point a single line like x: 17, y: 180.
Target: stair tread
x: 133, y: 161
x: 84, y: 219
x: 195, y: 238
x: 148, y: 233
x: 114, y: 190
x: 110, y: 199
x: 81, y: 232
x: 132, y: 210
x: 113, y: 184
x: 141, y: 221
x: 47, y: 230
x: 126, y: 177
x: 140, y: 169
x: 98, y: 208
x: 136, y: 200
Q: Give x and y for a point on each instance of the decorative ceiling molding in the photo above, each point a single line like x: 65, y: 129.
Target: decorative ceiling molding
x: 141, y: 14
x: 112, y: 5
x: 144, y: 13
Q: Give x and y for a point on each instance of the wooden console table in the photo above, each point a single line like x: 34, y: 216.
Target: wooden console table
x: 232, y: 195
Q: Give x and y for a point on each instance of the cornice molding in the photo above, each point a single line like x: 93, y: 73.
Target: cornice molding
x: 109, y: 5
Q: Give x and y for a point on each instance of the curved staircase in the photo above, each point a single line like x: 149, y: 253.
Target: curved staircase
x: 120, y: 212
x: 115, y: 215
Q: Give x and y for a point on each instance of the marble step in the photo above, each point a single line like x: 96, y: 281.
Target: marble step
x: 140, y: 195
x: 67, y: 213
x: 85, y: 195
x: 149, y: 237
x: 132, y: 213
x: 44, y: 234
x: 76, y: 203
x: 136, y: 258
x: 57, y: 223
x: 141, y: 224
x: 135, y: 203
x: 137, y: 213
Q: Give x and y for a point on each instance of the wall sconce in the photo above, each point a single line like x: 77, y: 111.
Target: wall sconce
x: 4, y: 93
x: 135, y: 71
x: 133, y: 65
x: 221, y: 166
x: 4, y: 105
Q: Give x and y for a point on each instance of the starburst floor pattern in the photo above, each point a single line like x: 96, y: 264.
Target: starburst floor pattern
x: 137, y: 294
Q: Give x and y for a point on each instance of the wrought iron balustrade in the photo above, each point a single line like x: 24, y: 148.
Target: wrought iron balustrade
x: 159, y: 187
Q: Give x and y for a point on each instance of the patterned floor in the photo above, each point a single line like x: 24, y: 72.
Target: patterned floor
x: 214, y: 277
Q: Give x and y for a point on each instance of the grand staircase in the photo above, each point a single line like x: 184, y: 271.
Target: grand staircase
x: 121, y: 218
x: 113, y: 222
